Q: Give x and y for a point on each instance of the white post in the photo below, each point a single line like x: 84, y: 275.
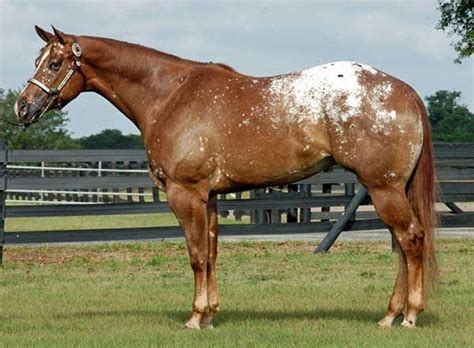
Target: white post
x: 42, y: 175
x: 99, y: 174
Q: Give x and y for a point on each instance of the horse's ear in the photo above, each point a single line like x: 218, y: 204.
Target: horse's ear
x: 43, y: 34
x: 60, y: 35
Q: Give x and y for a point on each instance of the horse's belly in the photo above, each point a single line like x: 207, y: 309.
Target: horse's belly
x: 273, y: 170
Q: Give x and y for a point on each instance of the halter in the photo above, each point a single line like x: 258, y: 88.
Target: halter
x: 54, y: 92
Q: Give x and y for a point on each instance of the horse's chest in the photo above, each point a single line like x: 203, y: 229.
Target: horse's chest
x: 156, y: 169
x: 158, y: 176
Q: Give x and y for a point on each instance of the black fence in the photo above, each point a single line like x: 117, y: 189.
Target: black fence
x: 82, y: 178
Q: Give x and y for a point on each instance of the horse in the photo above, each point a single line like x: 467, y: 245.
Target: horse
x: 208, y: 129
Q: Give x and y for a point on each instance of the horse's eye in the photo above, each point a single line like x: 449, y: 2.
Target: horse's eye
x: 55, y: 65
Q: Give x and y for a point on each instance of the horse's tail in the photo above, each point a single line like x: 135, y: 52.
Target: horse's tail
x: 422, y: 193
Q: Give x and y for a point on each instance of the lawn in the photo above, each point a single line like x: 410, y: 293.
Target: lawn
x: 271, y: 294
x: 98, y: 221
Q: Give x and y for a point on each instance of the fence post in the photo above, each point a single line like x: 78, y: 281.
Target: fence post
x: 305, y: 213
x: 273, y: 215
x: 326, y: 188
x: 238, y: 213
x: 292, y: 213
x: 156, y: 194
x: 141, y: 197
x: 223, y: 213
x: 115, y: 197
x: 3, y: 195
x: 258, y: 215
x: 42, y: 175
x: 336, y: 230
x: 349, y: 190
x: 253, y: 212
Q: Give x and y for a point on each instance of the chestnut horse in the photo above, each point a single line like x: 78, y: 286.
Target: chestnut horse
x: 208, y: 129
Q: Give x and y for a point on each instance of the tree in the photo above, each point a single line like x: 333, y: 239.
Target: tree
x: 457, y: 19
x: 451, y: 121
x: 111, y: 139
x: 49, y: 133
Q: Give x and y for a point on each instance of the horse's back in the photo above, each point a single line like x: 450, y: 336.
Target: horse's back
x: 285, y: 127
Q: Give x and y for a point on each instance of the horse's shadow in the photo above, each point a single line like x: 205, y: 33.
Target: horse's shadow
x: 236, y: 315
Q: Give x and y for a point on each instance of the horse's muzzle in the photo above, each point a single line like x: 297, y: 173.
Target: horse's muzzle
x: 27, y: 112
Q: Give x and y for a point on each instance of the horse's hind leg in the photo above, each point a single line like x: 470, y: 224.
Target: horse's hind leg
x: 398, y: 300
x: 394, y: 209
x: 211, y: 263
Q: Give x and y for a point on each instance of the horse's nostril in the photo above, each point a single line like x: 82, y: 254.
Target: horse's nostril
x: 23, y: 108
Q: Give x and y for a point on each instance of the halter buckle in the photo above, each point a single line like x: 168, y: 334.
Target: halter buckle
x: 76, y: 50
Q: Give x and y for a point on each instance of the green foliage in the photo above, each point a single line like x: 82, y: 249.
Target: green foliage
x: 457, y: 19
x: 111, y: 139
x: 451, y: 121
x: 50, y: 133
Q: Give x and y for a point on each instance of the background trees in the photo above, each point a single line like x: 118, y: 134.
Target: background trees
x: 50, y: 133
x: 111, y: 139
x: 451, y: 121
x: 457, y: 19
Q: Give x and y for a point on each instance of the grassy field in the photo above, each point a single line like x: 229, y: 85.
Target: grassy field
x: 271, y: 294
x: 99, y: 221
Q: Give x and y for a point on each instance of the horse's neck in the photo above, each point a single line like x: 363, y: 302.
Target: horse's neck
x: 134, y: 79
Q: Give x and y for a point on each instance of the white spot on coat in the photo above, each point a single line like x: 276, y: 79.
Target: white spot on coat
x: 333, y: 89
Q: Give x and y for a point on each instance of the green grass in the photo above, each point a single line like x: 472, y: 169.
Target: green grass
x: 271, y: 294
x: 100, y: 221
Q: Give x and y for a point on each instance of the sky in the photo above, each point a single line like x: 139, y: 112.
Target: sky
x: 259, y: 38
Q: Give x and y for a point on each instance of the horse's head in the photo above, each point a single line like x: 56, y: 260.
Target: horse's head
x: 57, y: 80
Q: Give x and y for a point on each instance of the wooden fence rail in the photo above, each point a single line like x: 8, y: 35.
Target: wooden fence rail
x: 308, y: 205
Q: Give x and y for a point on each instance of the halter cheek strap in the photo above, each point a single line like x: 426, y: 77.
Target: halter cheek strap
x: 54, y: 92
x: 77, y: 52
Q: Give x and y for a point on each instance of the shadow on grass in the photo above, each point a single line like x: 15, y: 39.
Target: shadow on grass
x: 235, y: 316
x: 230, y: 316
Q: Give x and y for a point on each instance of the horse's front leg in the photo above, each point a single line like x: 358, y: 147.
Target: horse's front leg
x: 211, y: 263
x: 190, y: 207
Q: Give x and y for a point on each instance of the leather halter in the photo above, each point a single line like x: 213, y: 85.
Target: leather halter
x: 54, y: 92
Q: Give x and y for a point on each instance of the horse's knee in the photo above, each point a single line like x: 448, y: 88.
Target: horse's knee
x: 198, y: 260
x: 198, y: 264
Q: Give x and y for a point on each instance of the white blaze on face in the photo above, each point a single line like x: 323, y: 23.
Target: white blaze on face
x: 43, y: 58
x: 15, y: 108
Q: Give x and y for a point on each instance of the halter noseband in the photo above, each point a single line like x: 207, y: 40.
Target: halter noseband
x: 54, y: 92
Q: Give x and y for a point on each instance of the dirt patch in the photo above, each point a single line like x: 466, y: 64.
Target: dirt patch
x: 61, y: 255
x: 47, y: 255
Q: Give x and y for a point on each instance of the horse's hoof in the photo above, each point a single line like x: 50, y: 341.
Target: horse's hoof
x: 192, y: 324
x: 408, y: 324
x: 385, y: 322
x: 206, y: 323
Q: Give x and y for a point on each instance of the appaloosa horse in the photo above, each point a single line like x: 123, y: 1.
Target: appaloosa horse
x: 208, y: 129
